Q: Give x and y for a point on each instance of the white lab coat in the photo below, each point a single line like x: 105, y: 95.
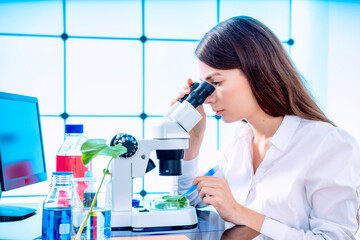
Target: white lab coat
x: 306, y: 186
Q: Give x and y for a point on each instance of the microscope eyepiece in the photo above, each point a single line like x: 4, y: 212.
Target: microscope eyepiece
x: 198, y: 95
x: 192, y: 88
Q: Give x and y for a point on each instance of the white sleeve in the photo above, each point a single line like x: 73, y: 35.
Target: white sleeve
x: 331, y: 183
x: 190, y: 170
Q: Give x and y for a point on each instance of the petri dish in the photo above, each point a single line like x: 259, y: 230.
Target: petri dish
x: 162, y: 204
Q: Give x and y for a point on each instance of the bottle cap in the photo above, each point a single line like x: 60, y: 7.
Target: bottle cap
x: 89, y: 174
x: 62, y: 173
x: 74, y: 128
x: 135, y: 202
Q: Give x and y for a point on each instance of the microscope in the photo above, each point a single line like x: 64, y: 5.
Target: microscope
x: 169, y: 139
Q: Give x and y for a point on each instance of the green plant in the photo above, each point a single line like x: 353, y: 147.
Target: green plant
x: 90, y: 149
x: 176, y: 201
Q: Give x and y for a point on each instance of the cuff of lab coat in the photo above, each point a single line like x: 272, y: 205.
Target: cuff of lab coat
x: 273, y: 229
x: 190, y: 168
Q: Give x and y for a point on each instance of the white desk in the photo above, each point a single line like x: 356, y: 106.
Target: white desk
x: 29, y: 228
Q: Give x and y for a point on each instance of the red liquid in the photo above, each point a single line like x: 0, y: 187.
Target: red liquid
x: 63, y: 200
x: 71, y: 164
x: 75, y: 165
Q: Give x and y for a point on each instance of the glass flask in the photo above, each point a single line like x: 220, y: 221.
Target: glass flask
x: 56, y: 222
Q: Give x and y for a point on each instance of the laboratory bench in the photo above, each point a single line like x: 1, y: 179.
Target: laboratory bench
x: 210, y: 226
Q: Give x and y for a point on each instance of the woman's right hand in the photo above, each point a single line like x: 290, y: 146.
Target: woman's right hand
x: 197, y: 133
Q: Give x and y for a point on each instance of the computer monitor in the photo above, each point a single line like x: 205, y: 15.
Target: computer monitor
x: 22, y: 160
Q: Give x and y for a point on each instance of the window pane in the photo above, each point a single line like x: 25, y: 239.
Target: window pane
x: 187, y: 19
x: 108, y: 18
x: 274, y: 14
x: 343, y: 65
x: 31, y: 17
x: 104, y: 76
x: 310, y: 51
x: 137, y: 185
x: 106, y: 128
x: 167, y: 67
x: 34, y: 66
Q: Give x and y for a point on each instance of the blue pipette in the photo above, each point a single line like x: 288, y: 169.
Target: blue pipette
x: 193, y: 187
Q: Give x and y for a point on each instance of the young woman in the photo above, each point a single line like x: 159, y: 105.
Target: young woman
x: 289, y: 172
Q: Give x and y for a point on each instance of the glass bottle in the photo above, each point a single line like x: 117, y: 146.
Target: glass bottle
x: 56, y: 222
x: 98, y: 225
x: 68, y: 158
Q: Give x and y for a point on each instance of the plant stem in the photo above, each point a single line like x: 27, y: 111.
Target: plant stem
x: 78, y: 235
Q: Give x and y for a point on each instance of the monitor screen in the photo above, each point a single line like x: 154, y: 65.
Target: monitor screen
x: 22, y: 160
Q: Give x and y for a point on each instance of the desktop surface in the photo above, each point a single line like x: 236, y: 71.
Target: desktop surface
x: 210, y: 226
x: 29, y: 228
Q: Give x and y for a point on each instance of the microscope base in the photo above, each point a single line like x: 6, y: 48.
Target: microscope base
x: 154, y: 219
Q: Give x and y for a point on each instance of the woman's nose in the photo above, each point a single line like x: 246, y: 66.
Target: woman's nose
x: 210, y: 99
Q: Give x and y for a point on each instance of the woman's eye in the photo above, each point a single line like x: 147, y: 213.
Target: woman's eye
x: 215, y: 83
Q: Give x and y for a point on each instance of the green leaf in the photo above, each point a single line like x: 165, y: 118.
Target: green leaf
x: 166, y: 197
x: 175, y: 198
x: 176, y: 201
x: 95, y: 147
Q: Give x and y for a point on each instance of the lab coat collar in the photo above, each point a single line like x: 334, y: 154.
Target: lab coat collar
x: 281, y: 137
x: 285, y: 132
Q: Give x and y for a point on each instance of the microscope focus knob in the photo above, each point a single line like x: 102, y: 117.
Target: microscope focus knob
x: 127, y: 141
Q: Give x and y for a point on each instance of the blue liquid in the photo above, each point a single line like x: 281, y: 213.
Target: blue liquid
x: 56, y: 224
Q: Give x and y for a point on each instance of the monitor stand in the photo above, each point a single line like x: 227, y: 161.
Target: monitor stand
x: 14, y: 213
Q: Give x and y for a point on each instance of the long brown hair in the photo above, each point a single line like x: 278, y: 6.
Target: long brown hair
x: 245, y: 43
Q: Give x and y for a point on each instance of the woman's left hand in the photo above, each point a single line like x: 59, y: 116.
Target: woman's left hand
x: 216, y: 192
